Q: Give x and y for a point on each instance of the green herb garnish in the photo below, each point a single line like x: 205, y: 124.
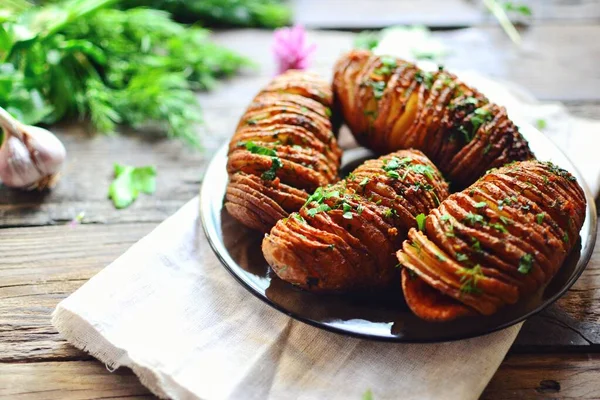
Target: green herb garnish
x: 541, y: 124
x: 469, y: 278
x: 525, y: 263
x: 271, y: 173
x: 129, y: 182
x: 421, y: 221
x: 256, y: 149
x: 540, y: 218
x: 90, y: 59
x: 461, y: 257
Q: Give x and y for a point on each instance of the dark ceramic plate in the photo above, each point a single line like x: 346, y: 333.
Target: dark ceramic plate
x: 379, y: 316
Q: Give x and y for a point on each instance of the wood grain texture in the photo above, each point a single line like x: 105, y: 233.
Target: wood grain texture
x: 39, y: 267
x: 360, y: 14
x: 564, y: 376
x: 552, y: 376
x: 73, y: 380
x: 42, y: 265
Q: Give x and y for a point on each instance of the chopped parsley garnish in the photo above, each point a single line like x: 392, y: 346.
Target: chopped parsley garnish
x: 378, y: 88
x: 390, y: 212
x: 256, y: 149
x: 440, y: 257
x: 395, y: 163
x: 445, y: 217
x: 425, y: 78
x: 481, y: 204
x: 298, y: 217
x: 556, y: 170
x: 276, y: 164
x: 320, y: 208
x: 364, y: 182
x: 499, y: 227
x: 347, y: 215
x: 565, y: 237
x: 525, y: 263
x: 470, y: 100
x: 469, y: 278
x: 421, y: 221
x: 422, y: 169
x: 506, y: 221
x: 359, y: 209
x: 393, y: 174
x: 461, y: 257
x: 474, y: 218
x: 475, y: 244
x: 540, y: 218
x: 271, y: 173
x: 541, y: 123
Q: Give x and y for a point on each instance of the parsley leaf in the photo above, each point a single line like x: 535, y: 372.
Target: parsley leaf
x: 541, y: 124
x: 129, y: 182
x: 421, y: 221
x: 525, y: 263
x: 540, y: 218
x: 256, y: 149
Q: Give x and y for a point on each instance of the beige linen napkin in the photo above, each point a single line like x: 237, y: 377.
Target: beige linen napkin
x: 168, y: 310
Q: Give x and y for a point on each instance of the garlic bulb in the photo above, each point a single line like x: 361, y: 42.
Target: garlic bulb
x: 30, y: 156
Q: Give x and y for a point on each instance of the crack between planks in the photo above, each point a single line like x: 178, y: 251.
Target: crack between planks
x: 43, y: 282
x: 560, y: 323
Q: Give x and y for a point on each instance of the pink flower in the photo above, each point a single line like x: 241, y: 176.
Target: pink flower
x: 291, y: 50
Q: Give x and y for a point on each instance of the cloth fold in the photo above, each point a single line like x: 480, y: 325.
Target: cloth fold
x: 168, y: 310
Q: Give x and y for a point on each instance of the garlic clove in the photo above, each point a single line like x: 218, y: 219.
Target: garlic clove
x: 30, y: 156
x: 16, y: 166
x: 47, y: 152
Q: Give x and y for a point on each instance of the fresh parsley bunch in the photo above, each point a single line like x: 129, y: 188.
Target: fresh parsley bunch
x: 252, y: 13
x: 89, y: 59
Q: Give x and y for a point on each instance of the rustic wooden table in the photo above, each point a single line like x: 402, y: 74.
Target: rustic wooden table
x: 42, y: 259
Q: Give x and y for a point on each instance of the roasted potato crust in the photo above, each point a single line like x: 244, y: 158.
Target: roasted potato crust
x: 495, y: 242
x: 390, y: 104
x: 282, y: 150
x: 345, y: 236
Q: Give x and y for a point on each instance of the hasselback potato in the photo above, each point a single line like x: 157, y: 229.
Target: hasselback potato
x: 390, y: 104
x: 346, y: 235
x: 495, y: 242
x: 282, y: 150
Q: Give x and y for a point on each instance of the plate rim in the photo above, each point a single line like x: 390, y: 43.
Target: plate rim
x: 219, y: 249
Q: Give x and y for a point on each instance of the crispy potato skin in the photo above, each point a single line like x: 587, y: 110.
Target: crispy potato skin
x: 282, y: 150
x: 390, y: 104
x: 345, y: 237
x: 499, y: 240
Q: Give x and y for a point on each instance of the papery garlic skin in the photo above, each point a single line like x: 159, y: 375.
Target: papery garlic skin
x: 47, y: 152
x: 30, y: 157
x: 16, y: 166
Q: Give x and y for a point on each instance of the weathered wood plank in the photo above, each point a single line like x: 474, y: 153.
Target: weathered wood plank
x: 75, y: 380
x: 360, y: 14
x: 565, y: 376
x: 540, y: 376
x: 42, y: 265
x: 39, y: 267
